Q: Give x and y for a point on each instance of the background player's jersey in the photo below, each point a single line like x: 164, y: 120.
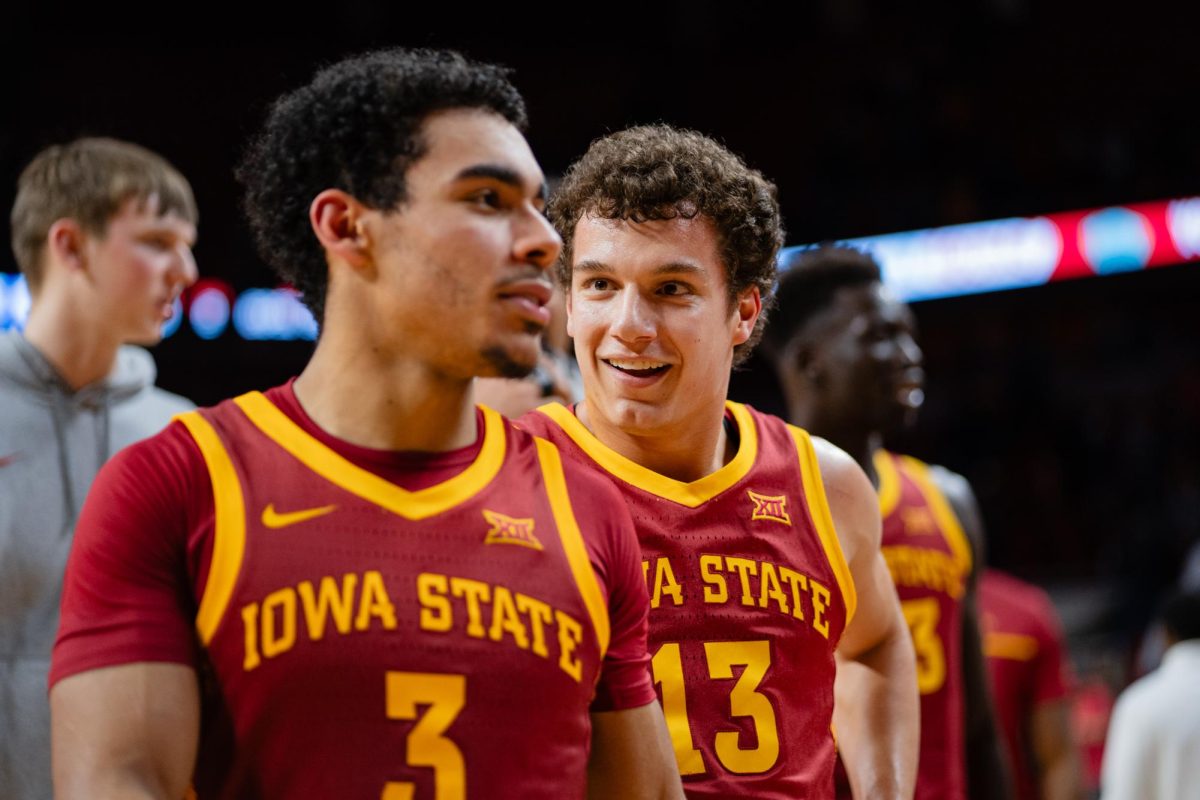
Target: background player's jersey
x: 749, y: 596
x: 1023, y: 642
x: 930, y: 561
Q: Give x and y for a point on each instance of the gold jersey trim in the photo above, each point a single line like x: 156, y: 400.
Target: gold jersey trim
x: 689, y: 495
x: 417, y: 505
x: 1010, y: 646
x: 943, y: 512
x: 229, y: 529
x: 572, y: 540
x: 818, y: 509
x: 889, y: 482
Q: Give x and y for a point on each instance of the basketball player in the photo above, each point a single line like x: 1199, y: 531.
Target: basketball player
x: 760, y: 544
x: 850, y: 369
x: 1023, y: 643
x: 395, y: 594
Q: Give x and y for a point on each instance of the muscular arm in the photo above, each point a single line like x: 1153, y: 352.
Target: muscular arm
x: 127, y: 732
x: 632, y: 756
x: 1054, y: 751
x: 987, y: 771
x: 876, y: 712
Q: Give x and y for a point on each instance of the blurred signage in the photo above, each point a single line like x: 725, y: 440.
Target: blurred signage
x: 1030, y: 251
x: 919, y: 265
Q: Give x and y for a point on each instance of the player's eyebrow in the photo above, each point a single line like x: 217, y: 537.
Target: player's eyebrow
x: 675, y: 267
x: 501, y: 173
x: 670, y: 268
x: 589, y: 266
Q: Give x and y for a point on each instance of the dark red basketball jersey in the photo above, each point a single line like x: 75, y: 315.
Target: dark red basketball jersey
x: 365, y: 641
x: 1023, y: 642
x: 749, y: 593
x: 930, y: 560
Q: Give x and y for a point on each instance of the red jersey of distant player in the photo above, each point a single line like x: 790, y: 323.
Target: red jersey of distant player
x: 930, y: 561
x: 749, y: 594
x: 1023, y: 642
x: 361, y: 640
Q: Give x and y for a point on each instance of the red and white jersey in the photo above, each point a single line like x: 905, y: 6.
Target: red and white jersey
x: 749, y: 595
x: 358, y: 639
x: 930, y: 560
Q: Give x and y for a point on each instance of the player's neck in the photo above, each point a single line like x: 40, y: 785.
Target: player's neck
x: 391, y: 404
x: 686, y: 453
x: 82, y: 353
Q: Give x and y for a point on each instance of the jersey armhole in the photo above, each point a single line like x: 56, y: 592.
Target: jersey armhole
x: 947, y: 520
x: 229, y: 526
x: 818, y: 507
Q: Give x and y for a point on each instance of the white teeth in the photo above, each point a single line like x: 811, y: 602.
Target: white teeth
x: 635, y: 363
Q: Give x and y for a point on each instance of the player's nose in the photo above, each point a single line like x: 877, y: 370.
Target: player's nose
x: 633, y: 320
x: 911, y: 354
x: 536, y: 241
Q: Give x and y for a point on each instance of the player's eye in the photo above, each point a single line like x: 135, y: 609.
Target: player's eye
x: 597, y: 284
x: 673, y: 289
x: 488, y: 198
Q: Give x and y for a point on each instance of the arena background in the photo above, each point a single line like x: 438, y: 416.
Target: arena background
x: 1074, y: 408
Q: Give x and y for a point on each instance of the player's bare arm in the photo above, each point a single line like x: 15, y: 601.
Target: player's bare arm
x: 876, y: 711
x: 1054, y: 751
x: 127, y: 732
x: 631, y: 756
x: 987, y: 773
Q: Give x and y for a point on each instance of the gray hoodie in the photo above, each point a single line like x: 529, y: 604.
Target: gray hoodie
x: 52, y: 442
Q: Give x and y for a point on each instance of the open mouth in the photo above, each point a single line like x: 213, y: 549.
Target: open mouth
x: 638, y: 367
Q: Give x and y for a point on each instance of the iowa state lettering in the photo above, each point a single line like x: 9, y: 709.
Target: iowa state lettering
x: 354, y: 603
x: 748, y: 582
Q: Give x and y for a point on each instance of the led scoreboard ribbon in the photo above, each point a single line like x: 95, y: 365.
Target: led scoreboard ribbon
x: 918, y: 265
x: 1030, y: 251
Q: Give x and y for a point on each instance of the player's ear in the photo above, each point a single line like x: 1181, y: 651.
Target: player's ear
x: 65, y: 244
x: 337, y: 218
x: 749, y: 307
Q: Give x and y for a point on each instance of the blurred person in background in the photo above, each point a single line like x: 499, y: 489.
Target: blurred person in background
x: 848, y: 362
x: 1023, y: 642
x: 1153, y: 747
x: 103, y: 231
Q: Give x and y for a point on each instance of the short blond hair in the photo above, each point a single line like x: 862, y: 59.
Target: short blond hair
x: 88, y: 180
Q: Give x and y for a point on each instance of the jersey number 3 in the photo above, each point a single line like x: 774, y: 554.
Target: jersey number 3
x: 744, y: 701
x: 922, y: 616
x: 427, y: 746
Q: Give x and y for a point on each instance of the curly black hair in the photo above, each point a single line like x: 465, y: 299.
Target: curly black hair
x: 657, y: 172
x: 810, y: 278
x: 357, y: 126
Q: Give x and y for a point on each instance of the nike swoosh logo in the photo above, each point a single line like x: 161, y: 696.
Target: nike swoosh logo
x: 273, y: 519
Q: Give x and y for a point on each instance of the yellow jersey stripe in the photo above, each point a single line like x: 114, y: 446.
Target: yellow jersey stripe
x: 942, y: 511
x: 818, y: 508
x: 572, y: 540
x: 889, y: 482
x: 229, y: 536
x: 1012, y: 646
x: 337, y: 470
x: 689, y: 495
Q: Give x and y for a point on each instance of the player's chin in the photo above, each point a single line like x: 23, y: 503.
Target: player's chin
x: 147, y: 337
x: 510, y: 360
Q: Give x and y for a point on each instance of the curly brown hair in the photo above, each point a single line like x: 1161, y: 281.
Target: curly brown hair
x: 657, y: 172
